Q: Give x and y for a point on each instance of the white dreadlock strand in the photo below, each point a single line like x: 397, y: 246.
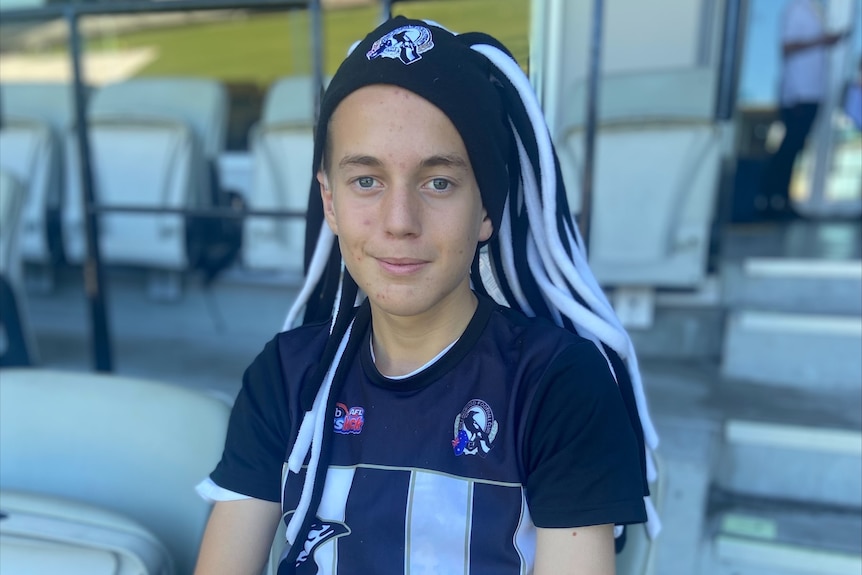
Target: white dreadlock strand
x: 554, y: 269
x: 650, y: 435
x: 508, y: 256
x: 565, y: 303
x: 588, y: 317
x: 539, y: 273
x: 316, y: 267
x: 311, y: 436
x: 542, y: 200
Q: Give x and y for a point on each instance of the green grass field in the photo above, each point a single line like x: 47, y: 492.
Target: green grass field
x: 263, y: 46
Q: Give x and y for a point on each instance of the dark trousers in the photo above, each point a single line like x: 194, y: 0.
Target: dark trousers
x: 797, y: 121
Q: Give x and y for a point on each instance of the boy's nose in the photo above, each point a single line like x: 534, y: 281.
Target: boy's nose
x: 402, y: 211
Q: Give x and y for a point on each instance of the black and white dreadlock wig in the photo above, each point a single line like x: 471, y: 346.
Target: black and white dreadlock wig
x: 535, y: 262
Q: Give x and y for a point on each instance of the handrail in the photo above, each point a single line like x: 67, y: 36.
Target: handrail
x: 139, y: 6
x: 214, y: 213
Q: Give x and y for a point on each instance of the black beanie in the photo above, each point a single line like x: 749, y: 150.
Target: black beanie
x: 440, y: 67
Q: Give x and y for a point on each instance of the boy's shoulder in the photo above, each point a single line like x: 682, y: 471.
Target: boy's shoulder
x: 531, y: 330
x: 305, y: 340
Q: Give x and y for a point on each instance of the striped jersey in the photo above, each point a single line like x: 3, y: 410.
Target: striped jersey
x: 520, y: 424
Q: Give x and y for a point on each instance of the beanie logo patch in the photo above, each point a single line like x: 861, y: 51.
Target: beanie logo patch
x: 406, y: 43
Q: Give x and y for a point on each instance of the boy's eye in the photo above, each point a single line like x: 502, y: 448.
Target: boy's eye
x: 440, y: 184
x: 365, y: 182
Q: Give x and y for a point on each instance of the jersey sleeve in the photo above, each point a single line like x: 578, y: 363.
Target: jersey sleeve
x: 257, y: 435
x: 581, y: 454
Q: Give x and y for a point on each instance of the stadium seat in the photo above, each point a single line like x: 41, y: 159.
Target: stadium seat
x: 153, y: 143
x: 659, y: 147
x: 652, y: 231
x: 36, y: 118
x: 43, y: 534
x: 131, y: 447
x: 17, y: 346
x: 282, y: 149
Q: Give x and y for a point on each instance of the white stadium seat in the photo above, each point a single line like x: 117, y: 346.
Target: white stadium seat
x: 151, y: 140
x: 282, y: 149
x: 131, y: 447
x: 43, y: 534
x: 658, y: 146
x: 17, y: 346
x: 652, y: 231
x: 36, y: 117
x: 11, y: 205
x: 29, y: 151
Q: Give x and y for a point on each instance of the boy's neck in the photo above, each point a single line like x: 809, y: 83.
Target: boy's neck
x: 403, y: 345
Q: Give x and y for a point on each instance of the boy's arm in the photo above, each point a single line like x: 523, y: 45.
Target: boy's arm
x: 238, y: 537
x: 579, y: 550
x: 830, y: 39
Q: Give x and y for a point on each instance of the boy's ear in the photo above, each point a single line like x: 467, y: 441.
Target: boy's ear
x: 326, y: 197
x: 486, y: 227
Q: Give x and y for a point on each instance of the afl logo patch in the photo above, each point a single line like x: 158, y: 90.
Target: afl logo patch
x: 475, y: 429
x: 406, y: 43
x: 349, y: 420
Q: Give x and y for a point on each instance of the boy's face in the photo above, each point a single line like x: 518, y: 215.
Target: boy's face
x: 401, y: 196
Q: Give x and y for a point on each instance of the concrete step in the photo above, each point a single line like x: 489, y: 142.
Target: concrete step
x: 817, y: 286
x: 683, y: 324
x: 741, y: 556
x: 771, y: 537
x: 821, y: 352
x: 804, y: 463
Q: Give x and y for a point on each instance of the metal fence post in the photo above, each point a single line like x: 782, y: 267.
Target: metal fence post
x: 94, y: 285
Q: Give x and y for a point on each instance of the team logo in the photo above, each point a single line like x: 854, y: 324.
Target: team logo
x: 475, y: 429
x: 349, y: 419
x: 407, y: 44
x: 319, y: 533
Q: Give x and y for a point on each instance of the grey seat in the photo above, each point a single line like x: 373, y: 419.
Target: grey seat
x: 133, y: 447
x: 151, y: 143
x: 282, y: 149
x: 43, y: 534
x: 36, y: 119
x: 17, y: 346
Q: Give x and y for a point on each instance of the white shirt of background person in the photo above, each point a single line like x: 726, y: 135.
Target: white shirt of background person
x: 803, y: 72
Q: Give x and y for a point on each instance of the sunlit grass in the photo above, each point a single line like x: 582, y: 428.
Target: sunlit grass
x: 266, y: 45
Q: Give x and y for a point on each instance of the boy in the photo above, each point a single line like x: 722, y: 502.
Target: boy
x: 413, y: 424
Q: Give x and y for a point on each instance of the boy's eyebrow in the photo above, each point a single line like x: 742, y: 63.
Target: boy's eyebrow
x: 445, y: 160
x: 359, y: 160
x: 435, y: 161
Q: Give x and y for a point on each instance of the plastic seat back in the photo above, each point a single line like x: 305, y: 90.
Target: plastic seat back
x: 36, y: 118
x: 29, y: 151
x: 150, y: 142
x: 652, y: 230
x: 48, y: 102
x: 11, y: 204
x: 131, y: 446
x: 18, y: 346
x: 282, y: 152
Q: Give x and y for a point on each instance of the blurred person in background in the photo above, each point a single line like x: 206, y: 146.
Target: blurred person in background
x: 804, y: 59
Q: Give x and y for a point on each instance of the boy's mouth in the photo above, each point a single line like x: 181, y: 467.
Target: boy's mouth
x: 401, y: 266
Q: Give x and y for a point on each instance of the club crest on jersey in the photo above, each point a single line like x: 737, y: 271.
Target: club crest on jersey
x: 475, y: 429
x: 406, y: 43
x: 349, y: 419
